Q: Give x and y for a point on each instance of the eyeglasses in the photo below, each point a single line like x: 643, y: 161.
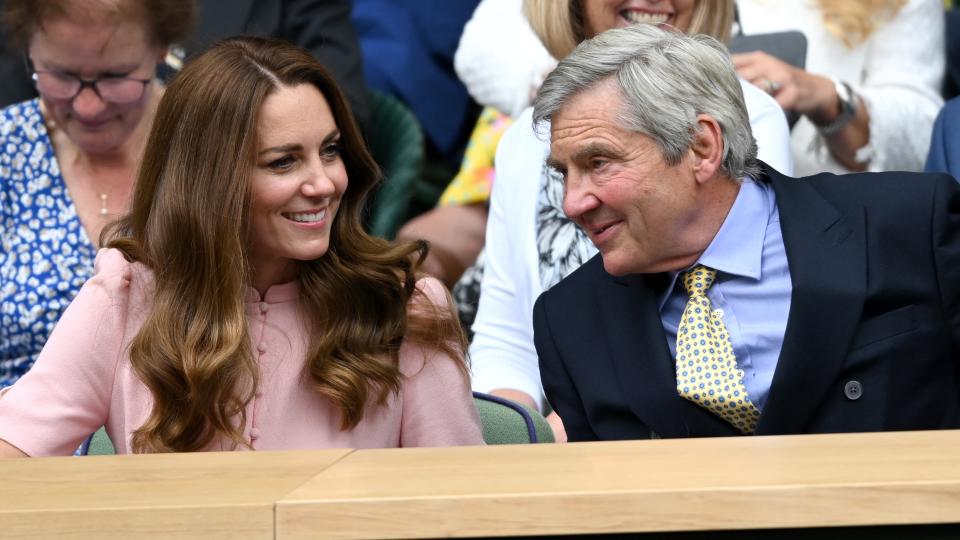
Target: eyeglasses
x: 59, y: 85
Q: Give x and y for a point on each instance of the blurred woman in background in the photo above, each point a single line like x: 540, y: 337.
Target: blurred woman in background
x: 870, y: 90
x: 68, y: 159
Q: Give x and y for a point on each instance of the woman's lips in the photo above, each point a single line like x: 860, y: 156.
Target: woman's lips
x: 645, y: 17
x: 90, y: 125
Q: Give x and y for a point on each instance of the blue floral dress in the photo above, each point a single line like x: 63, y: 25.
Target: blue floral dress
x: 45, y: 255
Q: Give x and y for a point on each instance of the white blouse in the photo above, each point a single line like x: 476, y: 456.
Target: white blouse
x: 897, y: 72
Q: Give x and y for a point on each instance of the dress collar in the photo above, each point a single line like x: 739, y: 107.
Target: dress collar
x: 282, y: 292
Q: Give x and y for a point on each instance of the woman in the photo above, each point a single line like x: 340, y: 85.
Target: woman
x: 871, y: 89
x: 530, y: 244
x: 240, y: 304
x: 68, y: 159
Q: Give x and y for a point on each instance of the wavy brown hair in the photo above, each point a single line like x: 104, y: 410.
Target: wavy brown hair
x: 560, y: 26
x: 189, y: 223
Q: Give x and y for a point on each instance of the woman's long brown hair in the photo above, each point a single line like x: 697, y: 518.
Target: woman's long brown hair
x: 189, y: 224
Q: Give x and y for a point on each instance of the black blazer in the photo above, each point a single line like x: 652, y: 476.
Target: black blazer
x: 321, y: 26
x: 875, y: 265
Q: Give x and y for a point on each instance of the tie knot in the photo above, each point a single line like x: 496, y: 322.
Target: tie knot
x: 698, y: 279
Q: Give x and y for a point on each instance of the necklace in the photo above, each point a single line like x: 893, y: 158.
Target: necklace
x: 103, y: 204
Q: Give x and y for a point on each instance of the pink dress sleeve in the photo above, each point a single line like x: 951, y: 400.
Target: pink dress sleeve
x: 438, y: 408
x: 66, y: 395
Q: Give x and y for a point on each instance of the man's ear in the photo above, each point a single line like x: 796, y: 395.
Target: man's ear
x: 707, y: 148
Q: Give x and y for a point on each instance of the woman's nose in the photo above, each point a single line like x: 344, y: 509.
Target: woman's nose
x: 88, y: 104
x: 318, y: 184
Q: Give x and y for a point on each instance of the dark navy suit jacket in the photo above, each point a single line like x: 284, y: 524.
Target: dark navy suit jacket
x: 875, y: 265
x: 944, y: 153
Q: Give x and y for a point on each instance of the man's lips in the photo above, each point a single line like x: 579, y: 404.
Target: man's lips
x: 602, y: 232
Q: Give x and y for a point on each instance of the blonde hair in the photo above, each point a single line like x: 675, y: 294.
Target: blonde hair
x: 189, y: 223
x: 560, y: 26
x: 852, y: 21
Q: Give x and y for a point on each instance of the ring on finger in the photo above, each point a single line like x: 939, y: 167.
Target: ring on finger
x: 772, y: 87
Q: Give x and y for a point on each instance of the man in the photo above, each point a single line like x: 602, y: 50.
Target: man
x: 727, y: 298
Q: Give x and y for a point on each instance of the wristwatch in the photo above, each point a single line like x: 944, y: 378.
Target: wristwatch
x: 847, y: 104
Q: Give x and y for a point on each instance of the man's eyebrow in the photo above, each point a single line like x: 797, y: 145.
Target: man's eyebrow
x: 553, y: 163
x: 592, y: 149
x: 582, y: 154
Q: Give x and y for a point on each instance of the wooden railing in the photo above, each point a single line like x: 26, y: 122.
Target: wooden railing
x: 746, y: 483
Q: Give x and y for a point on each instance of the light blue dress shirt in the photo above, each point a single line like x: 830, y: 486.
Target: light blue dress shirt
x: 752, y: 289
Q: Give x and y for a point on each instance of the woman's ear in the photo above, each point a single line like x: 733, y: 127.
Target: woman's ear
x: 707, y: 148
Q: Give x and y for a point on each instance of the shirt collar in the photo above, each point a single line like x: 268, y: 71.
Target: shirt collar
x: 737, y: 247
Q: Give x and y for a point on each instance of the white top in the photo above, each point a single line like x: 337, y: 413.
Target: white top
x: 897, y: 72
x: 502, y: 352
x: 500, y: 60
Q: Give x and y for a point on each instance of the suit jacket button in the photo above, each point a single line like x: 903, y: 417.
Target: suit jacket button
x: 853, y: 390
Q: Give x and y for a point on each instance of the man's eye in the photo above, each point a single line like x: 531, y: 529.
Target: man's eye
x: 281, y: 164
x: 597, y: 163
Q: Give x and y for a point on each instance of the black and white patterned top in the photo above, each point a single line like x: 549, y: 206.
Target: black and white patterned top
x: 562, y: 245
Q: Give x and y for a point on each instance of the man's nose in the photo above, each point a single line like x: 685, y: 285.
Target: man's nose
x: 578, y: 199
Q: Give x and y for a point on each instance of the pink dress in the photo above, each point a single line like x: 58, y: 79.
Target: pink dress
x: 83, y: 379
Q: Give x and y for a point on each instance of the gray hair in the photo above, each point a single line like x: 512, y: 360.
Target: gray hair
x: 666, y: 79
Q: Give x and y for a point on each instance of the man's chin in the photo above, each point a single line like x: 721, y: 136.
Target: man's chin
x: 615, y: 266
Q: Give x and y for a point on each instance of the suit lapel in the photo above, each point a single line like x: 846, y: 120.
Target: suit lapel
x: 825, y: 249
x: 644, y: 369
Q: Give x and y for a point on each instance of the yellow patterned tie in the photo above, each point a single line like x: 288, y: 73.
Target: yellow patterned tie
x: 707, y: 372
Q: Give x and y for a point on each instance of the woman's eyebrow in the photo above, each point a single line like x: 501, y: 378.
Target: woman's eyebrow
x: 282, y: 149
x: 122, y: 69
x: 335, y: 134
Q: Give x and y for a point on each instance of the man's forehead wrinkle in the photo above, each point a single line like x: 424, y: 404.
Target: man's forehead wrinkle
x: 589, y: 135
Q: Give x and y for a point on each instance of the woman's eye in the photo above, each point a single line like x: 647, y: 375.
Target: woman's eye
x: 331, y: 150
x: 281, y: 164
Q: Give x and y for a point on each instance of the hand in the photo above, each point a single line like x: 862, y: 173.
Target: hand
x: 559, y: 433
x: 793, y: 88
